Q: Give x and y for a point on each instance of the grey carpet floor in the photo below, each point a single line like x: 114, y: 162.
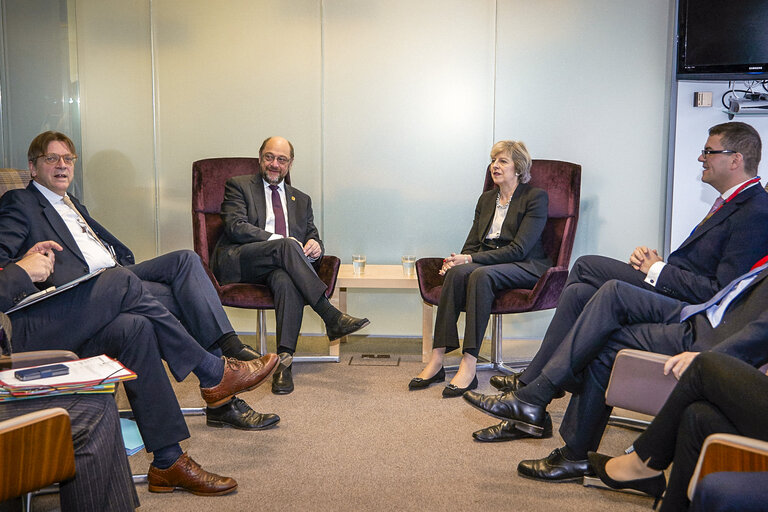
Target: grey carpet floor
x: 352, y: 437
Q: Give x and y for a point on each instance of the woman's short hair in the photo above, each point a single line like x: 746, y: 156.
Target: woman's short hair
x: 519, y: 155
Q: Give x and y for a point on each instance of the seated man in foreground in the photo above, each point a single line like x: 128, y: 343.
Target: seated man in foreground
x: 101, y: 482
x: 270, y: 238
x: 113, y: 314
x: 44, y: 211
x: 620, y: 315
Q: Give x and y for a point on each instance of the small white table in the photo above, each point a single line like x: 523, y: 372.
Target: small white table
x: 384, y: 277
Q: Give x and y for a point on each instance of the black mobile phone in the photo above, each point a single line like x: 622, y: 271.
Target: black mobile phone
x: 42, y: 372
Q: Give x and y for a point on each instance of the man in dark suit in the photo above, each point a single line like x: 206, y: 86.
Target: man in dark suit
x: 621, y: 315
x: 113, y: 314
x: 270, y: 238
x: 44, y: 211
x: 723, y: 246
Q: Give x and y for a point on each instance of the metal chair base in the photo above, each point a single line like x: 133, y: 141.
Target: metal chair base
x: 631, y: 423
x: 261, y: 332
x: 496, y: 363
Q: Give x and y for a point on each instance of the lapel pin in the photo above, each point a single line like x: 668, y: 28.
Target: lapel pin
x: 293, y: 198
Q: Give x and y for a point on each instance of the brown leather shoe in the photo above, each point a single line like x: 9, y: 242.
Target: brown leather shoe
x: 240, y: 376
x: 187, y: 475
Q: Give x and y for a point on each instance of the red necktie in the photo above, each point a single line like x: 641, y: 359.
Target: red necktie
x: 277, y: 208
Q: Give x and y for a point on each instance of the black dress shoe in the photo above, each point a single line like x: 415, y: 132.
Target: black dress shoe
x: 554, y: 468
x: 527, y: 417
x: 282, y: 382
x: 451, y: 390
x: 512, y: 382
x: 238, y: 414
x: 244, y: 353
x: 344, y: 326
x: 653, y: 486
x: 419, y: 383
x: 506, y: 431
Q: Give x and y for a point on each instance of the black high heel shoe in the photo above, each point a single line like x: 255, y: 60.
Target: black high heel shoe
x: 419, y: 383
x: 451, y: 390
x: 654, y: 486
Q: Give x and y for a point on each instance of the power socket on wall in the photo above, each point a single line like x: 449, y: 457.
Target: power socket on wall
x: 702, y: 99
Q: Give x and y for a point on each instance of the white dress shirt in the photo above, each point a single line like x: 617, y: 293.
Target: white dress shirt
x: 96, y: 254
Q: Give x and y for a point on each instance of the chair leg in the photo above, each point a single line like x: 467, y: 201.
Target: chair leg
x: 261, y: 329
x: 497, y: 358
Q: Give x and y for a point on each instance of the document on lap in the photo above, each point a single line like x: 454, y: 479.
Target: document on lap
x: 96, y: 374
x: 53, y: 290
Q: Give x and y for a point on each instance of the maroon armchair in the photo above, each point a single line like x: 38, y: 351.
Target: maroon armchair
x: 562, y: 181
x: 208, y: 179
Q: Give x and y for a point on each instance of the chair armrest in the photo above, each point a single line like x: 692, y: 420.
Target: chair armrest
x: 729, y: 452
x: 548, y: 288
x: 635, y: 370
x: 429, y: 278
x: 42, y: 441
x: 36, y: 358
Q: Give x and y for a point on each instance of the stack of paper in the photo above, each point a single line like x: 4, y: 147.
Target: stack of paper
x: 92, y: 375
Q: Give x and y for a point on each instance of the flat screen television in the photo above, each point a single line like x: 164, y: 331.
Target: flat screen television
x: 722, y: 40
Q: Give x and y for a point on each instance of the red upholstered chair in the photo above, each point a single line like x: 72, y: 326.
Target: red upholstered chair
x: 562, y: 181
x: 208, y: 179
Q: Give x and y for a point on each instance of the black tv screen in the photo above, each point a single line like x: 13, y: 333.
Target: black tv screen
x: 722, y: 40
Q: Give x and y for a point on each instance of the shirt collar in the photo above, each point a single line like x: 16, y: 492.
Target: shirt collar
x: 280, y: 186
x: 49, y: 194
x: 727, y: 193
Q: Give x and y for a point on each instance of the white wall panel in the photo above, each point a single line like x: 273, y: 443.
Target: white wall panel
x: 115, y: 67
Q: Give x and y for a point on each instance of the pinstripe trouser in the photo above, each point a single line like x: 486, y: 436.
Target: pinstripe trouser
x: 102, y: 478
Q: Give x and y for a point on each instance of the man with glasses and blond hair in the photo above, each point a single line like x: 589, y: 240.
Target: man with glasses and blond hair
x: 270, y: 238
x: 45, y: 211
x: 730, y: 239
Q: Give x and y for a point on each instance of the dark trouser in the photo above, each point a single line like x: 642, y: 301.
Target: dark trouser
x: 102, y: 478
x: 717, y: 393
x: 282, y: 266
x: 112, y: 314
x: 618, y: 316
x: 179, y: 282
x: 471, y: 287
x: 731, y: 492
x: 588, y: 274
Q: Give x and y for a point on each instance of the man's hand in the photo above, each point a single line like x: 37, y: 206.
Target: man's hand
x: 37, y: 265
x: 39, y: 260
x: 453, y: 260
x: 677, y: 364
x: 642, y: 258
x: 312, y: 249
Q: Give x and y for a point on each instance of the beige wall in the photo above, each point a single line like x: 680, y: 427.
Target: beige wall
x: 392, y: 106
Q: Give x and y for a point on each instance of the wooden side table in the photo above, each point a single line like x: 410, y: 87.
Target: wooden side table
x: 383, y: 277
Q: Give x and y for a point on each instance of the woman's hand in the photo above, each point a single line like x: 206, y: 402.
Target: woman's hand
x: 677, y: 364
x: 453, y: 260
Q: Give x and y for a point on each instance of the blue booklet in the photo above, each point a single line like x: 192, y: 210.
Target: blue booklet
x: 131, y: 436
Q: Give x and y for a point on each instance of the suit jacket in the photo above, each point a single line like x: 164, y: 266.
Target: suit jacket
x: 720, y: 250
x: 15, y: 285
x: 26, y: 217
x: 743, y: 331
x: 244, y: 212
x: 520, y: 239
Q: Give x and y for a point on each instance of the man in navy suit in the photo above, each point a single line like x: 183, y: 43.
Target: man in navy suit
x: 113, y: 314
x: 44, y: 211
x: 270, y: 238
x: 40, y: 212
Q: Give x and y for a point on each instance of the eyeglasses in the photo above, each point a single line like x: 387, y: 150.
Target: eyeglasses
x: 53, y: 158
x: 705, y: 152
x: 269, y: 158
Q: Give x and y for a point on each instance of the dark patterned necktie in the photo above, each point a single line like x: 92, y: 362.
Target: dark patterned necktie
x: 277, y: 208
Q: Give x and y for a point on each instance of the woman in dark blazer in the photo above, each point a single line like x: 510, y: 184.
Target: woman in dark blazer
x: 503, y: 250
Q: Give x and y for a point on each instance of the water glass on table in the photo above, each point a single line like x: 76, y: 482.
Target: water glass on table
x: 358, y: 264
x: 409, y: 265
